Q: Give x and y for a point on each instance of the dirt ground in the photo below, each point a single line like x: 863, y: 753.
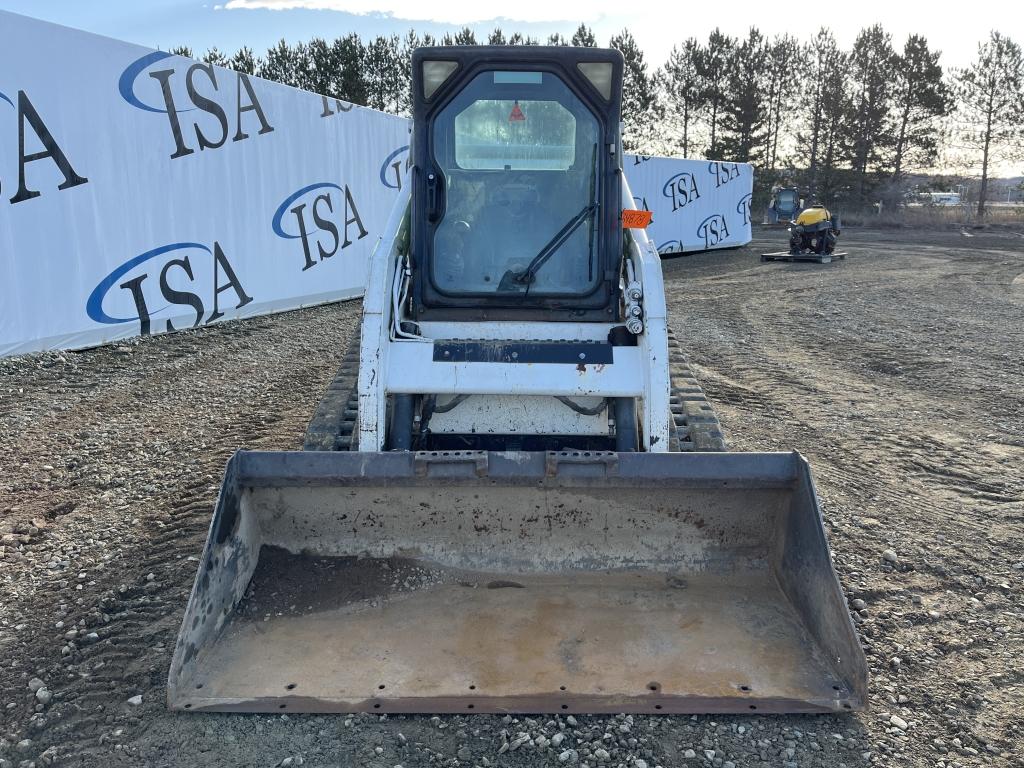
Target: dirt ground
x: 898, y: 372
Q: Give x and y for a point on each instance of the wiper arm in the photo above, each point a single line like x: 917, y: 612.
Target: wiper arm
x: 528, y: 275
x: 510, y: 280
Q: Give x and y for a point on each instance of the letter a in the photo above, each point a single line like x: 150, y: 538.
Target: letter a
x: 51, y: 149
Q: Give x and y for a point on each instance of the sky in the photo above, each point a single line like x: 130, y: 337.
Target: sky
x: 230, y: 24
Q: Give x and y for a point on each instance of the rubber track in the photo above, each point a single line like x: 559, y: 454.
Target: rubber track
x: 696, y: 425
x: 333, y: 423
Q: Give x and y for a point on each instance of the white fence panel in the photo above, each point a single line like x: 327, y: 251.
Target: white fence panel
x: 696, y: 205
x: 153, y: 192
x: 142, y: 192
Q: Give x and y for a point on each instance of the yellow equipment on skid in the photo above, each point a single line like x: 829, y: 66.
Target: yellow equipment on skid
x: 812, y: 237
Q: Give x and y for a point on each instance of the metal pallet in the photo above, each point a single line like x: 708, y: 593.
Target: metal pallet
x: 821, y: 258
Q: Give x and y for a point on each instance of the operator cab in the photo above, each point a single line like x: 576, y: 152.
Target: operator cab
x: 516, y: 183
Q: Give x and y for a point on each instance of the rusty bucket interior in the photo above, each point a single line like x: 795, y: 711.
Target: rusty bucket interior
x: 572, y: 582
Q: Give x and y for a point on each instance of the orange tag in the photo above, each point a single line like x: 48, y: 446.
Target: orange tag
x: 634, y: 219
x: 517, y: 114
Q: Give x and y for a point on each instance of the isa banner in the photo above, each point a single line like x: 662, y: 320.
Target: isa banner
x: 142, y: 192
x: 696, y: 205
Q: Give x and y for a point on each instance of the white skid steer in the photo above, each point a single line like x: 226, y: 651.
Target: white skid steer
x: 514, y: 497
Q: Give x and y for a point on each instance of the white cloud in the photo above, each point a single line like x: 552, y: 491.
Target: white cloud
x: 461, y: 12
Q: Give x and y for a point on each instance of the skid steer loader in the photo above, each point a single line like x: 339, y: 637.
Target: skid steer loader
x: 515, y: 497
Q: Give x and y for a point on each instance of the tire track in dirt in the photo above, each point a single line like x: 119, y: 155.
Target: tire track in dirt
x: 901, y: 390
x: 177, y: 407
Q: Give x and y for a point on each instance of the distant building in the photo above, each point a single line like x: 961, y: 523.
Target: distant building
x: 940, y: 198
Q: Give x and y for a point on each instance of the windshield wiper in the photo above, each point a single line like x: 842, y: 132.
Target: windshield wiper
x: 528, y: 275
x: 511, y: 281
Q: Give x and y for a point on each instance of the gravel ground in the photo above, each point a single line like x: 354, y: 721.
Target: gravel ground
x: 898, y: 372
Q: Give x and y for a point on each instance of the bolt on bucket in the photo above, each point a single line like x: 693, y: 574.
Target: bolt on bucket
x: 468, y: 581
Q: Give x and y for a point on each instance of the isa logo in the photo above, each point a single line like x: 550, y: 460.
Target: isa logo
x: 335, y: 107
x: 204, y: 105
x: 743, y: 207
x: 394, y: 167
x: 323, y: 216
x: 682, y: 190
x: 713, y: 230
x: 723, y: 172
x: 176, y: 275
x: 21, y: 125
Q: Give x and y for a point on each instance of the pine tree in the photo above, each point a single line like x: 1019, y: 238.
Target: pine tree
x: 683, y: 95
x: 281, y: 65
x: 245, y: 61
x: 465, y: 36
x: 557, y: 39
x: 872, y: 65
x: 714, y: 66
x: 637, y: 92
x: 304, y: 75
x: 745, y: 110
x: 921, y: 98
x: 822, y: 140
x: 321, y: 66
x: 497, y: 37
x: 216, y: 57
x: 409, y: 44
x: 785, y: 67
x: 833, y: 182
x: 349, y: 57
x: 518, y: 39
x: 584, y: 37
x: 384, y: 74
x: 990, y: 95
x: 181, y: 50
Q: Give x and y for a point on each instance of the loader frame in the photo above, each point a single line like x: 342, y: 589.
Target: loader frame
x: 391, y: 363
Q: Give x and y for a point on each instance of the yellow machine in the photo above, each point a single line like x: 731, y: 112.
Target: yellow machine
x: 812, y: 216
x: 812, y: 237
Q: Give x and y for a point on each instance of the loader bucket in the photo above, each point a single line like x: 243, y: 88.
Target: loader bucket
x: 565, y: 582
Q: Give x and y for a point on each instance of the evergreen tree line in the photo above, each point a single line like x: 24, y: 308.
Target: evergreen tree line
x: 846, y: 126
